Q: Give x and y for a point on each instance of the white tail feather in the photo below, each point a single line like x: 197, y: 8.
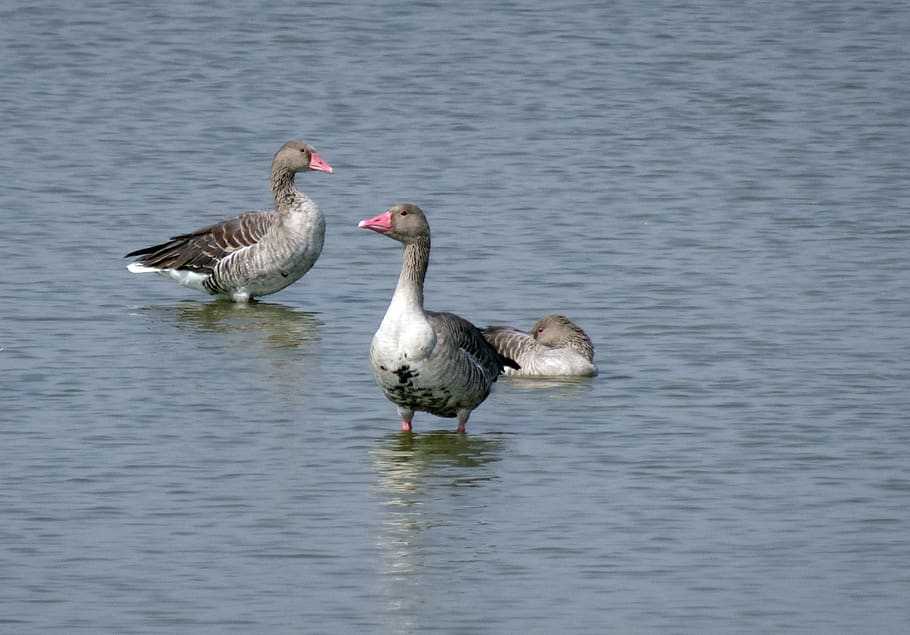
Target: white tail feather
x: 136, y: 267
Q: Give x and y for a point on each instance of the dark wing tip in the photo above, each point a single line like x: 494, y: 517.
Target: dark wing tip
x: 138, y: 252
x: 508, y: 361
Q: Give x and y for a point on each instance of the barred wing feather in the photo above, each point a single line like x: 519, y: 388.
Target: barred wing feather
x: 202, y: 249
x: 467, y: 337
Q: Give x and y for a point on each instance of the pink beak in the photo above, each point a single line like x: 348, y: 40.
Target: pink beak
x: 379, y: 224
x: 317, y: 163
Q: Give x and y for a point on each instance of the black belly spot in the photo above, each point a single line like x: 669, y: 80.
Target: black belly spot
x: 405, y: 373
x: 437, y: 402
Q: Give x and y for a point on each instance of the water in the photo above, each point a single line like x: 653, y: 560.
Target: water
x: 718, y: 194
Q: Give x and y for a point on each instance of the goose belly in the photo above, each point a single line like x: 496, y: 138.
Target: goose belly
x: 553, y: 363
x: 417, y: 387
x: 426, y: 384
x: 270, y: 282
x: 268, y: 266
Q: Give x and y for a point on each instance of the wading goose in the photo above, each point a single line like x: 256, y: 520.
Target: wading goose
x: 556, y: 346
x: 256, y: 253
x: 423, y: 360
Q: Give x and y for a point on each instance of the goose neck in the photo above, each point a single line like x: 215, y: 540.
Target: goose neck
x: 282, y: 183
x: 409, y: 291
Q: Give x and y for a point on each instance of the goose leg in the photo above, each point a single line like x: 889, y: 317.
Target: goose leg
x: 406, y: 416
x: 462, y: 420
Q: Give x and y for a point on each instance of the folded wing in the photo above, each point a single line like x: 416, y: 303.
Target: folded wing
x: 202, y: 249
x: 467, y: 337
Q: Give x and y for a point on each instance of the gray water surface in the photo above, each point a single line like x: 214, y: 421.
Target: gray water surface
x: 718, y: 194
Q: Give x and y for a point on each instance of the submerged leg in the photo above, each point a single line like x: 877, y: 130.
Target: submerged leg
x: 462, y: 420
x: 406, y: 416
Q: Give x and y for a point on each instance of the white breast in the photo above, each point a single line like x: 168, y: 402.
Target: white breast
x: 403, y: 337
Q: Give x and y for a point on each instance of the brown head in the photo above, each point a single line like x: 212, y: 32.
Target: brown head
x: 297, y: 156
x: 559, y: 331
x: 405, y: 222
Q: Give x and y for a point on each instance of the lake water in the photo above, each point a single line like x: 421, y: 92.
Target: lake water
x: 718, y: 194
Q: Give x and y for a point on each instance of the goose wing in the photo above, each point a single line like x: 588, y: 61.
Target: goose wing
x: 509, y: 341
x: 468, y: 338
x: 202, y: 249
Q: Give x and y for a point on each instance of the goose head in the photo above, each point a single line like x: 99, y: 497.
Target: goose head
x: 297, y: 156
x: 405, y: 222
x: 557, y: 331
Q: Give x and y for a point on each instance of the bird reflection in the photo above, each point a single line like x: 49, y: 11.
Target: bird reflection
x: 277, y: 343
x: 565, y: 387
x: 428, y: 485
x: 407, y: 461
x: 281, y: 326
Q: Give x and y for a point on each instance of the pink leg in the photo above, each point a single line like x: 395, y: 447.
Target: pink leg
x: 462, y: 420
x: 406, y: 416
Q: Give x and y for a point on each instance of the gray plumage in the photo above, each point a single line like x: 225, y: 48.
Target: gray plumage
x: 204, y: 248
x: 256, y: 253
x: 424, y: 360
x: 555, y: 346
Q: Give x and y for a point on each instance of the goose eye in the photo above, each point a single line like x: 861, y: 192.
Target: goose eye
x: 404, y: 212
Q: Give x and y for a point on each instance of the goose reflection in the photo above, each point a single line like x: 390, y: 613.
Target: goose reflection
x: 279, y: 346
x: 558, y: 387
x: 280, y: 326
x: 431, y: 486
x: 406, y: 462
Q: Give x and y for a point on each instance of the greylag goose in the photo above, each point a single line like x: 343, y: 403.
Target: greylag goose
x: 556, y: 346
x: 256, y: 253
x: 423, y: 360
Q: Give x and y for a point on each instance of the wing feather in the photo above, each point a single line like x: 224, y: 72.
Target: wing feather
x: 202, y: 249
x: 509, y: 341
x: 469, y: 338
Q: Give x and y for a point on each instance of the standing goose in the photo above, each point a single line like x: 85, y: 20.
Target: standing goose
x: 256, y: 253
x: 556, y: 346
x: 423, y: 360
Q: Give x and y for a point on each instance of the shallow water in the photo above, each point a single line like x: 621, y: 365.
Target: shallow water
x: 717, y: 194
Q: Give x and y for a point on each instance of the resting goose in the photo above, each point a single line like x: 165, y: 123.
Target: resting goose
x: 423, y: 360
x: 256, y: 253
x: 556, y: 346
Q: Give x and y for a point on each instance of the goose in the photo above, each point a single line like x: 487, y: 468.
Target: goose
x: 556, y: 346
x: 423, y: 360
x: 256, y: 253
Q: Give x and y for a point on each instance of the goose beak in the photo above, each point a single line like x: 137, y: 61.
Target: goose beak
x: 318, y: 163
x: 379, y: 224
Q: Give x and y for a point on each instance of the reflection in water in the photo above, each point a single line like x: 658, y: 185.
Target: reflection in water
x: 558, y: 386
x: 423, y: 479
x: 262, y: 342
x: 407, y: 461
x: 279, y: 325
